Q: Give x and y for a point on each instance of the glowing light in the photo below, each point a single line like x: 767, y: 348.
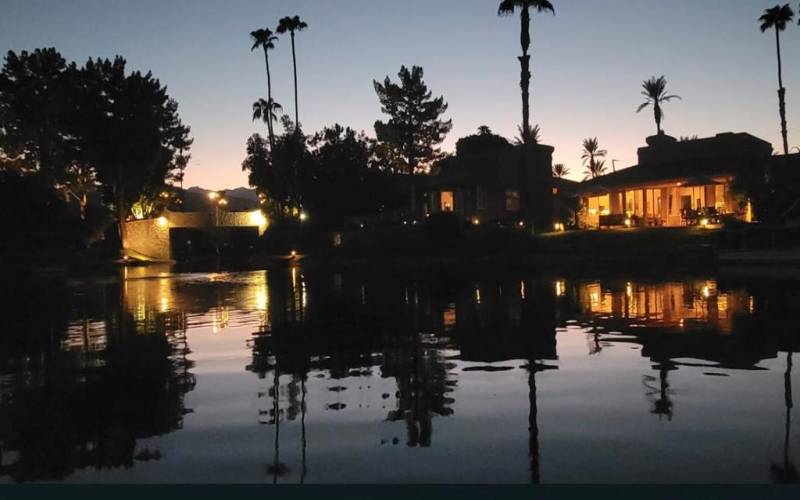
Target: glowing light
x: 561, y: 288
x: 476, y: 221
x: 223, y: 202
x: 293, y: 253
x: 706, y: 292
x: 629, y: 290
x: 303, y: 216
x: 162, y: 221
x: 628, y: 223
x: 559, y: 227
x: 477, y: 295
x: 592, y: 211
x: 521, y: 224
x: 605, y: 212
x: 257, y: 218
x: 522, y: 289
x: 213, y: 195
x: 704, y: 222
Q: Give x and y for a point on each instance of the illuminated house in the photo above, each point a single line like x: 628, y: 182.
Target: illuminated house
x: 485, y: 187
x: 676, y: 183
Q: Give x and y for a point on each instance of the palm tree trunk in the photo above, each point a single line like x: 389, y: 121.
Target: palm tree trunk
x: 657, y: 114
x: 269, y: 102
x: 525, y: 82
x: 294, y: 63
x: 782, y: 95
x: 525, y: 78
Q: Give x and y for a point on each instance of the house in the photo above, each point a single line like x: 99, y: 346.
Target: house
x: 676, y: 183
x: 488, y: 186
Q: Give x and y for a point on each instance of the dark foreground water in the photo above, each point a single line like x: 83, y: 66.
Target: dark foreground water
x: 304, y: 375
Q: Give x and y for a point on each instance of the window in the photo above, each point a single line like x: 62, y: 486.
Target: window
x: 512, y: 200
x: 480, y: 199
x: 448, y: 201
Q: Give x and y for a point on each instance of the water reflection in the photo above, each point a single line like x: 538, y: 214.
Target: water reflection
x: 91, y: 374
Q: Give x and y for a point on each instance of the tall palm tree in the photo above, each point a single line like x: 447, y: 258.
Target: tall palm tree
x: 777, y: 17
x: 560, y: 170
x: 655, y: 92
x: 265, y: 39
x: 508, y: 8
x: 293, y: 25
x: 267, y: 111
x: 593, y: 158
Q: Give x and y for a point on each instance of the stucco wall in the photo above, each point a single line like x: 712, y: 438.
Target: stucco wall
x: 147, y: 238
x: 151, y: 238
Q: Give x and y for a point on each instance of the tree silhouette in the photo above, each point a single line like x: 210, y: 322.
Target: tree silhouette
x: 560, y: 170
x: 267, y: 111
x: 293, y: 25
x: 481, y: 143
x: 593, y: 158
x: 528, y: 136
x: 410, y: 137
x: 508, y: 8
x: 265, y: 39
x: 777, y: 17
x: 655, y: 93
x: 131, y: 134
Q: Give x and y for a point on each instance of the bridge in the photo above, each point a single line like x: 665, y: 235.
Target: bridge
x: 152, y: 239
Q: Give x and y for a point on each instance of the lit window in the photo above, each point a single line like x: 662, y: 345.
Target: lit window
x: 448, y: 201
x: 512, y: 200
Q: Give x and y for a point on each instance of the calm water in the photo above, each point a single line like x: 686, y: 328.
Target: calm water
x: 304, y: 375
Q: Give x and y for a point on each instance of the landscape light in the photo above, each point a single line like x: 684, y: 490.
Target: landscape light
x: 521, y: 223
x: 628, y: 223
x: 162, y: 221
x: 476, y: 221
x: 704, y: 222
x: 223, y: 202
x: 294, y: 254
x: 257, y: 218
x: 558, y: 227
x: 213, y: 195
x: 303, y: 217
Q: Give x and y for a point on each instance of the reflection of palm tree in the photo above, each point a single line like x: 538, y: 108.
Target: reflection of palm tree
x: 778, y: 17
x: 663, y: 406
x: 655, y: 93
x: 786, y: 473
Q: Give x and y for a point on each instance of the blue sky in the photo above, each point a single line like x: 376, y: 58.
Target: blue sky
x: 588, y: 63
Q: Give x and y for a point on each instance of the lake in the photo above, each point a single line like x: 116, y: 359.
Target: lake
x: 302, y: 374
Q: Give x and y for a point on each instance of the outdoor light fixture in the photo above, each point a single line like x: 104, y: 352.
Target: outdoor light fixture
x: 294, y: 254
x: 628, y: 223
x: 521, y: 223
x: 476, y: 221
x: 213, y: 195
x: 162, y: 221
x: 257, y: 218
x: 223, y: 202
x: 558, y: 227
x: 704, y: 223
x: 303, y: 216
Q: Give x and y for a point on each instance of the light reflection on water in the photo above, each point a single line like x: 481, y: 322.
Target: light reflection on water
x: 303, y: 375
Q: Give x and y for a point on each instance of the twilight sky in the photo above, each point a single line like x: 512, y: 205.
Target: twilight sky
x: 588, y: 64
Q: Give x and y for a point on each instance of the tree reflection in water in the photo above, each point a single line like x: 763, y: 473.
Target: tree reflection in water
x: 68, y: 409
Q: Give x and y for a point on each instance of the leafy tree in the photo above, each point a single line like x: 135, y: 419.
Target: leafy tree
x: 265, y: 39
x: 293, y: 25
x: 408, y: 141
x: 508, y: 8
x: 341, y: 181
x: 480, y: 143
x: 131, y: 134
x: 593, y: 158
x: 560, y: 170
x: 275, y: 172
x: 778, y: 17
x: 38, y: 118
x: 655, y: 92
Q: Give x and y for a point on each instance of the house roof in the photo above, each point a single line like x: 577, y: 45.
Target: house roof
x: 692, y: 163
